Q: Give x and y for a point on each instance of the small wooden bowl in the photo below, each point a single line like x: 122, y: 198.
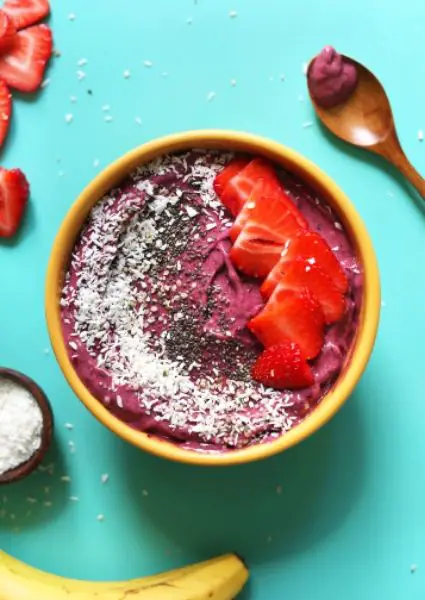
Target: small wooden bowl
x: 30, y: 465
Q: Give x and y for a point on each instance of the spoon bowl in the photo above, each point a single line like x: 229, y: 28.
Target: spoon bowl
x: 366, y: 120
x: 24, y: 469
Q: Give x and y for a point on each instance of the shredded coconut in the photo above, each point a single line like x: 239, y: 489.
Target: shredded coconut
x: 21, y: 425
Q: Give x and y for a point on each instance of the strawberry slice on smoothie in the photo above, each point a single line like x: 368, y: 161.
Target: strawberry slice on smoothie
x: 293, y: 315
x: 299, y: 274
x: 313, y: 248
x: 231, y: 170
x: 260, y: 244
x: 272, y: 189
x: 283, y: 366
x: 240, y: 186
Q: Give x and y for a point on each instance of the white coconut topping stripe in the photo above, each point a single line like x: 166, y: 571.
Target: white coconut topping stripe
x: 110, y: 307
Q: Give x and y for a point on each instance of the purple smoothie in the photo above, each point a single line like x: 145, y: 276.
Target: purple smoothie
x: 154, y: 314
x: 331, y: 78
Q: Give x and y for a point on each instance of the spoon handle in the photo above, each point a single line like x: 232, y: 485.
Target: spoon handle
x: 391, y: 150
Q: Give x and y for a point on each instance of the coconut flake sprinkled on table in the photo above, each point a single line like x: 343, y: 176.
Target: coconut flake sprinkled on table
x: 21, y: 425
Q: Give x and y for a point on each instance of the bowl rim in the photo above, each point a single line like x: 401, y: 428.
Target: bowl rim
x: 26, y: 468
x: 293, y: 161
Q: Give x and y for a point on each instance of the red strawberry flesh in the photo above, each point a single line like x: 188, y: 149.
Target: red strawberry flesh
x: 300, y: 274
x: 22, y: 67
x: 14, y: 192
x: 5, y: 111
x: 24, y: 13
x: 260, y: 244
x: 229, y: 171
x: 313, y: 247
x: 7, y: 31
x: 272, y: 189
x: 239, y: 188
x: 292, y: 315
x: 283, y: 366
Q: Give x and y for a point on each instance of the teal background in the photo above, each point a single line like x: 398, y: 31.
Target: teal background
x: 349, y: 521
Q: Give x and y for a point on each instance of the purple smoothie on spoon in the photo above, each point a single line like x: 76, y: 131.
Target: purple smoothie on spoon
x: 331, y: 78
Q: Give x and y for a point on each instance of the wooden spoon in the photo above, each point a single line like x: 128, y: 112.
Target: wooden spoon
x: 30, y: 465
x: 366, y: 120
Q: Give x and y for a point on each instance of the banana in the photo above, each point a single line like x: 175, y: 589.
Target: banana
x: 221, y: 578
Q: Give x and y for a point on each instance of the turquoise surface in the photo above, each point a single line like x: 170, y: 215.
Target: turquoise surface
x: 349, y: 521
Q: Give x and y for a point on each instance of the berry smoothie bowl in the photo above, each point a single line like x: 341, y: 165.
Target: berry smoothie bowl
x: 212, y: 297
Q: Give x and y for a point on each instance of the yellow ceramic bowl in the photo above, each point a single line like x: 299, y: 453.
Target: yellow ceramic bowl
x: 227, y: 140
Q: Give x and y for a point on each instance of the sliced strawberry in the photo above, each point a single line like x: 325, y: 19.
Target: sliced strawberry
x: 14, y: 192
x: 229, y: 171
x: 272, y: 189
x: 26, y: 12
x: 296, y: 316
x: 5, y: 111
x: 283, y: 366
x: 22, y: 66
x: 312, y: 247
x: 256, y: 251
x: 260, y: 244
x: 300, y: 274
x: 7, y: 31
x: 263, y: 187
x: 240, y: 187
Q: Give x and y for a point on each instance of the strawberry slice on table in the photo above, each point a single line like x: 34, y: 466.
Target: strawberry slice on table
x: 292, y: 315
x: 299, y: 274
x: 22, y: 67
x: 283, y: 366
x: 5, y: 111
x: 260, y: 244
x: 7, y: 30
x: 313, y: 247
x: 229, y: 171
x: 270, y: 188
x: 24, y: 13
x: 14, y: 192
x: 239, y: 187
